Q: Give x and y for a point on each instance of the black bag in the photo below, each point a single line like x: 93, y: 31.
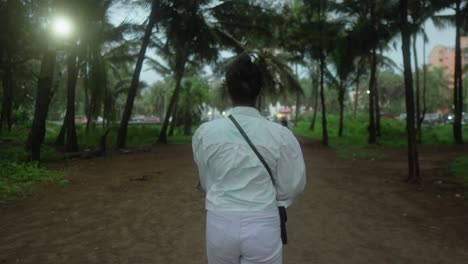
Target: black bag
x: 281, y: 209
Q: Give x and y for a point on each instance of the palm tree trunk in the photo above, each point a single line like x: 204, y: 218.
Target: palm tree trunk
x: 181, y: 59
x: 322, y: 100
x: 122, y: 135
x: 315, y: 90
x: 418, y: 104
x: 424, y: 110
x: 7, y: 95
x: 413, y: 161
x: 356, y: 95
x: 174, y: 120
x: 71, y: 144
x: 60, y: 141
x: 458, y: 87
x: 298, y: 100
x: 372, y: 129
x: 378, y: 131
x: 44, y: 87
x: 341, y: 94
x: 298, y: 107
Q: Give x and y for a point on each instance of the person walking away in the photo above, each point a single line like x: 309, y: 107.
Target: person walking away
x: 242, y: 200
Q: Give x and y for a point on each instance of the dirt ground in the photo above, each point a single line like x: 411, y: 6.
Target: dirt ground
x: 144, y: 208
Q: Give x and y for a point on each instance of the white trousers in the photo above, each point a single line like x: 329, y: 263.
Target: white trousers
x: 243, y: 237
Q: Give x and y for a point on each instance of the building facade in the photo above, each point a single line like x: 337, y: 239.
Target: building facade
x: 444, y: 57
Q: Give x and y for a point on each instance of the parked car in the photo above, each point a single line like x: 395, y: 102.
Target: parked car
x: 432, y: 118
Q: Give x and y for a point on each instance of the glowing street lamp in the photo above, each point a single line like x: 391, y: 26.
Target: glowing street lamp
x: 62, y: 27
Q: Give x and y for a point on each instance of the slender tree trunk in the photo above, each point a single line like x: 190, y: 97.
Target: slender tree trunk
x: 378, y: 116
x: 458, y: 87
x: 181, y: 59
x: 71, y: 143
x: 315, y: 89
x: 8, y: 88
x: 423, y: 114
x: 60, y: 141
x: 413, y: 161
x: 43, y: 97
x: 298, y: 107
x: 356, y: 95
x: 378, y: 131
x: 188, y: 121
x: 322, y: 100
x: 341, y: 94
x: 372, y: 128
x: 175, y: 114
x: 86, y: 97
x: 418, y: 96
x: 122, y: 135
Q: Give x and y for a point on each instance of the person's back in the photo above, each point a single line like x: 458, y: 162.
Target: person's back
x: 241, y: 199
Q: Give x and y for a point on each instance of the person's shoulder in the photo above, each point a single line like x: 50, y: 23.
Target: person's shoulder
x: 209, y: 126
x: 279, y: 128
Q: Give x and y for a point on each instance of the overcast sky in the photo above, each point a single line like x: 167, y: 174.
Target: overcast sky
x: 436, y: 37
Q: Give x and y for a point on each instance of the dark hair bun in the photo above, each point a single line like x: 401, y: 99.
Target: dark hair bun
x: 243, y: 80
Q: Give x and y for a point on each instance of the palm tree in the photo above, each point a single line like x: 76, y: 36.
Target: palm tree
x: 14, y: 52
x: 44, y: 88
x: 343, y: 59
x: 461, y: 26
x: 319, y: 34
x: 122, y: 134
x: 374, y: 24
x: 413, y: 161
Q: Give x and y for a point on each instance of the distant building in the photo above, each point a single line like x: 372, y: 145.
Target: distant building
x: 444, y: 57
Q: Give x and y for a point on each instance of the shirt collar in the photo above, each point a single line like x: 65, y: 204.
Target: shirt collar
x: 245, y: 110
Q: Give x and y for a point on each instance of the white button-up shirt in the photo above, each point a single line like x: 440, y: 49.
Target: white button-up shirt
x: 233, y: 177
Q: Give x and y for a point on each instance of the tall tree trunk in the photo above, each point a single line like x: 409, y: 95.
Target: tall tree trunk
x: 413, y: 161
x: 122, y: 135
x: 341, y: 94
x: 8, y: 89
x: 322, y: 99
x: 86, y: 96
x: 43, y: 97
x: 188, y: 121
x: 424, y: 110
x: 181, y: 60
x: 458, y: 87
x: 298, y: 107
x: 356, y: 95
x: 71, y: 143
x: 378, y: 116
x: 378, y: 131
x: 175, y: 114
x: 60, y: 141
x: 298, y: 100
x: 372, y: 128
x: 315, y: 90
x: 418, y: 96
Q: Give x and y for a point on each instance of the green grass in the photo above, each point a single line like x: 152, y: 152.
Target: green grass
x: 16, y: 178
x: 353, y: 144
x: 18, y: 175
x: 459, y: 168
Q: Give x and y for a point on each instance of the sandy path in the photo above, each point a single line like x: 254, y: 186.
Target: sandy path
x: 351, y: 212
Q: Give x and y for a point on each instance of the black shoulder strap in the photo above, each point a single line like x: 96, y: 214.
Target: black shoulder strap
x: 260, y: 157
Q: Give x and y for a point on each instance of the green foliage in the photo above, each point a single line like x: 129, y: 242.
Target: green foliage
x: 459, y: 168
x: 17, y: 178
x: 353, y: 144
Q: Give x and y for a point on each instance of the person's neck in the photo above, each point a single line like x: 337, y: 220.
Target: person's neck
x: 243, y: 105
